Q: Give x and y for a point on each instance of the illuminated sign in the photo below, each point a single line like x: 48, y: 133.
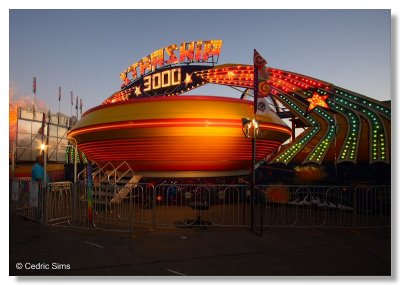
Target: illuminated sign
x: 191, y: 52
x: 163, y: 79
x: 172, y: 80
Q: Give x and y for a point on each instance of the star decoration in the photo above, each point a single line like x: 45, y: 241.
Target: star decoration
x: 137, y: 91
x: 188, y: 79
x: 317, y: 100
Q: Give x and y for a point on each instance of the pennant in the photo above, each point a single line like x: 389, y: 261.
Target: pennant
x: 59, y: 94
x: 261, y: 87
x: 41, y: 129
x: 263, y: 107
x: 76, y: 105
x: 81, y: 105
x: 72, y: 99
x: 34, y: 86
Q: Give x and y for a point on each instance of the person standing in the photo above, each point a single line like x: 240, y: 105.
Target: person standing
x: 38, y: 176
x: 38, y: 170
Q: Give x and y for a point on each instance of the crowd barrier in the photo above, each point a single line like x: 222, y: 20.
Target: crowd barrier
x: 123, y: 207
x: 26, y: 199
x: 323, y: 206
x: 58, y: 203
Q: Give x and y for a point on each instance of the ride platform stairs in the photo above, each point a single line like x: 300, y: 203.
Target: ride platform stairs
x: 111, y: 185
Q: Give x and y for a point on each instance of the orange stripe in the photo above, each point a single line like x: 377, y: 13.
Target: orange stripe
x: 171, y: 98
x: 176, y: 152
x: 185, y: 122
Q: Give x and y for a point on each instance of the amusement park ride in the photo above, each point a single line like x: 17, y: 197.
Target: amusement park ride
x: 158, y: 133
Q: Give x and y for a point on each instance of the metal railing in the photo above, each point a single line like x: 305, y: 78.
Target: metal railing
x: 26, y: 199
x: 323, y: 206
x: 58, y: 203
x: 203, y: 205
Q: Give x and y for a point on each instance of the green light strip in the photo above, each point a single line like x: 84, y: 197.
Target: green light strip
x: 286, y: 156
x: 350, y: 105
x: 365, y: 102
x: 349, y: 149
x: 67, y: 153
x: 84, y: 159
x: 378, y: 149
x: 318, y: 153
x: 71, y: 151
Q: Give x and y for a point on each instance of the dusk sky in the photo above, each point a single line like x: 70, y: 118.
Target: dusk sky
x: 84, y: 51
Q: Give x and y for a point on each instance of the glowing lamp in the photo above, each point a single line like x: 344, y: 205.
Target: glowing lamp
x: 43, y: 147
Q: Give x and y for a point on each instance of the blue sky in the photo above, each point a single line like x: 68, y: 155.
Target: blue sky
x: 85, y: 50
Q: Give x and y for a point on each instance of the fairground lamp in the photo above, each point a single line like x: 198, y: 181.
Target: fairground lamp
x: 247, y: 124
x: 43, y: 148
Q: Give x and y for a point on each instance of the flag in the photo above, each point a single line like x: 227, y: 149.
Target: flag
x: 72, y: 99
x: 34, y: 86
x: 59, y: 94
x: 81, y: 105
x: 263, y: 107
x: 41, y: 129
x: 261, y: 87
x: 89, y: 191
x: 76, y: 105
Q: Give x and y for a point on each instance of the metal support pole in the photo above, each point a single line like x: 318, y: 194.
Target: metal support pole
x: 253, y: 180
x: 44, y: 194
x: 355, y: 202
x: 261, y: 217
x: 75, y: 185
x: 45, y: 168
x: 75, y: 160
x: 154, y: 201
x: 293, y: 128
x: 13, y: 160
x: 131, y: 211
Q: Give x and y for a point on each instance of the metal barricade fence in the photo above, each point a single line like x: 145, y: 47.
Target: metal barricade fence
x: 322, y: 206
x: 201, y: 205
x: 123, y: 207
x: 58, y: 203
x: 80, y: 205
x: 114, y: 207
x: 26, y: 198
x: 373, y: 206
x: 163, y: 205
x: 111, y: 215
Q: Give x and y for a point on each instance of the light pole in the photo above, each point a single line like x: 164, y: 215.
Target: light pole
x: 43, y: 148
x: 247, y: 124
x: 75, y: 160
x: 75, y: 186
x: 43, y: 201
x: 13, y: 159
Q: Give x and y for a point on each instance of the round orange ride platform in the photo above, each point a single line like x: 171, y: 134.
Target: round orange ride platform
x: 178, y: 136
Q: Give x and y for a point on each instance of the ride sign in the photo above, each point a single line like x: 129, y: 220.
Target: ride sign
x: 197, y: 51
x: 168, y: 71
